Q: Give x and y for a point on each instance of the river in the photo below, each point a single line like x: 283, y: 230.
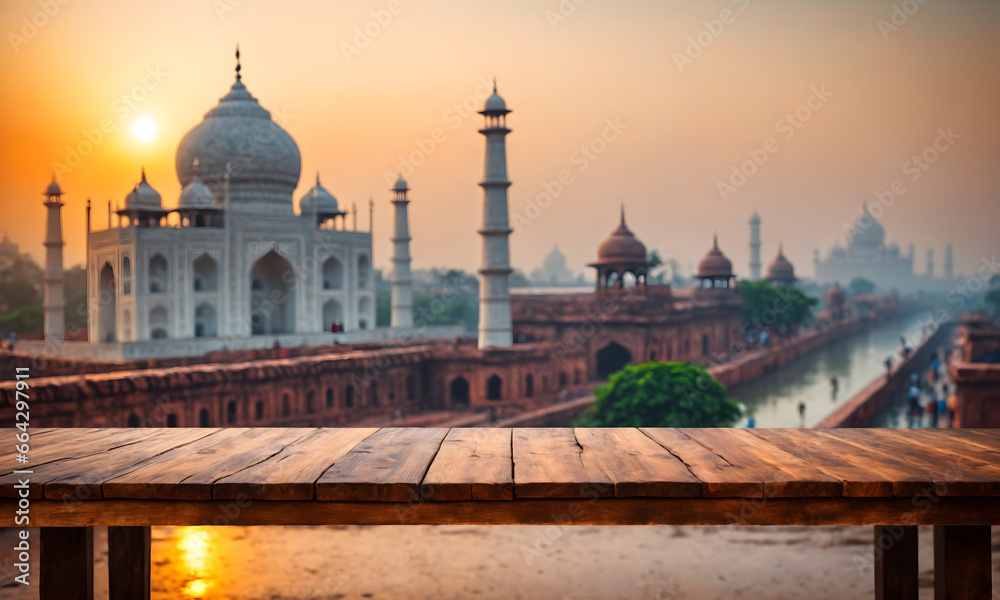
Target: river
x: 855, y: 360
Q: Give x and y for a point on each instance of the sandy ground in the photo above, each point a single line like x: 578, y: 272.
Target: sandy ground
x: 509, y: 562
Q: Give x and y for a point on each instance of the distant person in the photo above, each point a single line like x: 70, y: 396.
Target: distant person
x: 751, y: 423
x: 888, y: 367
x: 13, y: 340
x: 834, y: 384
x: 802, y: 413
x: 763, y: 339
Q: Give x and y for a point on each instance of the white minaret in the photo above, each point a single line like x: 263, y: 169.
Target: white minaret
x: 755, y: 247
x: 402, y: 283
x: 494, y: 295
x: 54, y: 304
x: 930, y: 263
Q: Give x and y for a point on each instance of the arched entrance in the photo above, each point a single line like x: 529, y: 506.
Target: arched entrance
x: 108, y: 305
x: 611, y: 358
x: 494, y: 388
x: 205, y: 321
x: 333, y: 312
x: 459, y: 393
x: 272, y: 295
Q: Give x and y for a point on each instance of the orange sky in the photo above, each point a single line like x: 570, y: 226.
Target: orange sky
x: 354, y: 117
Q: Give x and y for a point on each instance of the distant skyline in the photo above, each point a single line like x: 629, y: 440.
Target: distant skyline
x: 651, y: 104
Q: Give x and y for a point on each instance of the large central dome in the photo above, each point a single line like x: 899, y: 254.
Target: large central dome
x: 238, y: 137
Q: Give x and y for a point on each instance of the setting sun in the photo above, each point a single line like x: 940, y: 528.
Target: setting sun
x: 144, y: 128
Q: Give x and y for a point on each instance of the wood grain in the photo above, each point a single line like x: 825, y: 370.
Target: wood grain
x: 548, y: 463
x: 189, y: 471
x: 719, y: 477
x: 291, y: 473
x: 783, y: 474
x: 636, y: 465
x: 388, y: 466
x: 473, y: 464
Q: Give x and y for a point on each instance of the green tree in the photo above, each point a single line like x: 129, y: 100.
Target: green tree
x: 860, y: 285
x: 661, y: 394
x: 767, y: 304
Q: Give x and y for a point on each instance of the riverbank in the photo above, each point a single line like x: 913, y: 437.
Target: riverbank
x: 859, y: 410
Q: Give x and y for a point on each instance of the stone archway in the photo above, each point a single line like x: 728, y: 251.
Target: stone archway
x: 459, y: 393
x: 107, y: 316
x: 611, y: 358
x: 272, y: 295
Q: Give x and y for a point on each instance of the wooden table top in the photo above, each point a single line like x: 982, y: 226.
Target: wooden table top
x: 419, y: 467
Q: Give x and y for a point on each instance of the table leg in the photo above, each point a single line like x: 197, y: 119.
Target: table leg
x: 128, y: 563
x: 962, y: 569
x: 896, y: 563
x: 66, y: 564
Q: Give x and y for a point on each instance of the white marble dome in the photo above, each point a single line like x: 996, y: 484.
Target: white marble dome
x: 318, y: 200
x: 239, y: 137
x: 143, y: 196
x: 196, y: 195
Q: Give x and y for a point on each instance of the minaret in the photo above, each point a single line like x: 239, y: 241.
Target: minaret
x: 494, y: 295
x: 930, y: 263
x: 948, y: 275
x: 54, y: 304
x: 755, y: 247
x: 402, y: 293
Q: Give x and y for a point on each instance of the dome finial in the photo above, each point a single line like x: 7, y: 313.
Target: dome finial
x: 623, y: 214
x: 494, y: 84
x: 715, y: 241
x: 238, y: 76
x: 142, y: 170
x: 317, y: 178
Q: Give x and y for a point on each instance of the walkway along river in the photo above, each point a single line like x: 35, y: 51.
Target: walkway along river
x: 855, y: 360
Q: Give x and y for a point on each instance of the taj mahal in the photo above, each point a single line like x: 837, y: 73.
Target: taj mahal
x: 233, y: 265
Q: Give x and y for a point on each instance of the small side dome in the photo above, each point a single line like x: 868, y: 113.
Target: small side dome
x: 143, y: 196
x: 780, y: 269
x: 196, y: 194
x: 400, y: 185
x: 714, y: 264
x: 621, y: 247
x: 318, y: 200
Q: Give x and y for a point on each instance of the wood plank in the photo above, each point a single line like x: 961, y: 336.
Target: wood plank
x: 128, y: 563
x: 81, y: 478
x: 604, y: 511
x: 188, y: 472
x: 71, y: 443
x: 896, y: 572
x: 548, y: 463
x: 718, y: 477
x: 474, y: 463
x: 951, y: 476
x: 837, y: 458
x: 784, y: 474
x: 292, y: 473
x: 962, y: 563
x: 635, y: 464
x: 962, y: 451
x: 66, y: 564
x: 988, y: 438
x: 388, y: 466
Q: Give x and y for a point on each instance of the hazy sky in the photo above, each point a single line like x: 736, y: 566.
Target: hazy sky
x: 692, y: 84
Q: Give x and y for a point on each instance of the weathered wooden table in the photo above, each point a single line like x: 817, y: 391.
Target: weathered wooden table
x: 131, y: 479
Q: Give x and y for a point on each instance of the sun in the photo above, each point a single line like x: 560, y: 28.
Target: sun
x: 144, y: 128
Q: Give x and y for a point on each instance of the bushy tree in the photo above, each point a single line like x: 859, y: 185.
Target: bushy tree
x: 661, y: 394
x: 767, y: 304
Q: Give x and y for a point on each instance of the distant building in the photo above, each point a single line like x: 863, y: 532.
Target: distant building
x: 976, y: 374
x: 553, y: 270
x: 869, y: 257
